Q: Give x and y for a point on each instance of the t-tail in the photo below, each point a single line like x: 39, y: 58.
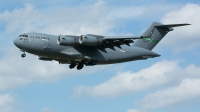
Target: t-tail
x: 154, y: 34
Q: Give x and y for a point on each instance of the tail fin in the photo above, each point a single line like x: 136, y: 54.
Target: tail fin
x: 154, y: 34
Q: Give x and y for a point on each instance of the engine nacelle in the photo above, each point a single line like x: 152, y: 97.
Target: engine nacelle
x: 67, y: 41
x: 90, y: 40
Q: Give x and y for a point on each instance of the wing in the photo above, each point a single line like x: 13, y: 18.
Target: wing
x: 115, y: 41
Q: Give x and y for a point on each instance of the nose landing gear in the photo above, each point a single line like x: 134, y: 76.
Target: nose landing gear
x: 23, y: 55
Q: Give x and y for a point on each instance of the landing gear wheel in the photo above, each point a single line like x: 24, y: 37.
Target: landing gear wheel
x: 71, y: 66
x: 80, y: 66
x: 23, y: 55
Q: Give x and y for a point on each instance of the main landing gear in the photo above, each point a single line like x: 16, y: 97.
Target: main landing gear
x: 72, y: 65
x: 81, y: 64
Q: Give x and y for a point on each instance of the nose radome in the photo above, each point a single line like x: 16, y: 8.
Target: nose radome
x: 15, y: 41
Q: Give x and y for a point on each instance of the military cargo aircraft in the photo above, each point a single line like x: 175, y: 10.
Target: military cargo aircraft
x: 90, y: 50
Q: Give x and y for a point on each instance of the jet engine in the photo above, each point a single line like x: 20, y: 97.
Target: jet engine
x: 90, y: 40
x: 67, y: 41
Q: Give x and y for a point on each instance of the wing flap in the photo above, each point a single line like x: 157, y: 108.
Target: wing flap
x: 117, y: 41
x: 120, y: 37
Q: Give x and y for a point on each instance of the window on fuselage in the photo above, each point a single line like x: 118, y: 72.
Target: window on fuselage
x: 25, y: 36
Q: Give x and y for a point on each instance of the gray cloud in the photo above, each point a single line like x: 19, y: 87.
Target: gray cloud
x: 164, y: 73
x: 187, y: 90
x: 16, y: 72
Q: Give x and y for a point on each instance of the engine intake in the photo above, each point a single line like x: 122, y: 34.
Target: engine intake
x: 90, y: 40
x: 67, y: 41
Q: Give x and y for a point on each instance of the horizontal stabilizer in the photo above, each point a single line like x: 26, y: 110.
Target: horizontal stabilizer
x: 171, y: 25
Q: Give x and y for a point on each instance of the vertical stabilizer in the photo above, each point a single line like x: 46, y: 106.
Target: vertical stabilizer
x: 154, y: 34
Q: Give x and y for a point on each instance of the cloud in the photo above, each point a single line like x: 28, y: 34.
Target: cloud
x: 164, y: 73
x: 16, y: 71
x: 183, y: 38
x: 94, y: 18
x: 63, y: 20
x: 167, y: 84
x: 188, y: 90
x: 8, y: 103
x: 98, y: 18
x: 78, y: 20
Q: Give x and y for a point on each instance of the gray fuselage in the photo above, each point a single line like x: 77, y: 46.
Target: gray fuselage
x: 45, y: 45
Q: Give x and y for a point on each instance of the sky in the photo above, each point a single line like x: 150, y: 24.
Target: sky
x: 170, y: 82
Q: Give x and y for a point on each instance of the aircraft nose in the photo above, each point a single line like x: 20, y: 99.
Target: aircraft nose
x: 15, y: 41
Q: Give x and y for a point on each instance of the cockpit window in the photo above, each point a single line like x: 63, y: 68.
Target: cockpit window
x: 23, y: 35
